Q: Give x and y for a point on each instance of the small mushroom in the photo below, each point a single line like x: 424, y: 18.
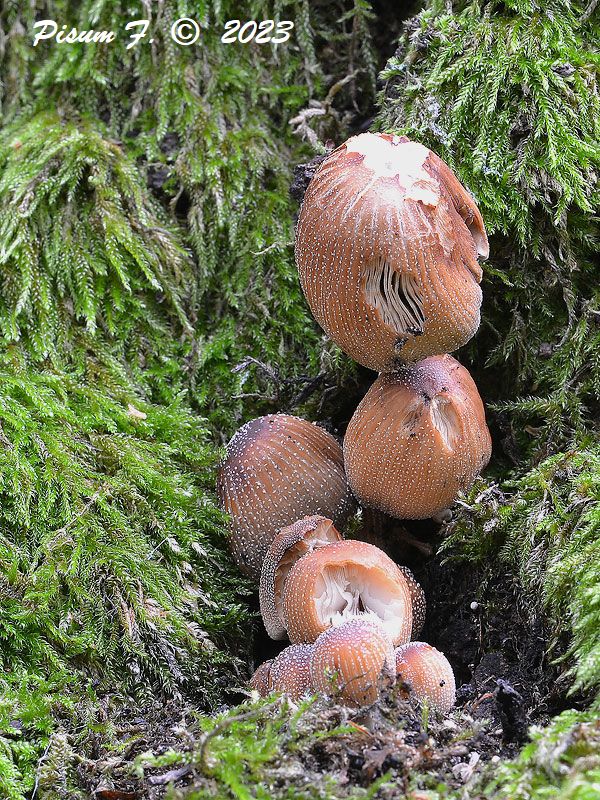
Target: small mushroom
x: 290, y: 671
x: 344, y: 580
x: 279, y: 468
x: 417, y: 439
x: 290, y: 544
x: 429, y: 674
x: 260, y: 680
x: 353, y: 660
x: 387, y: 244
x: 419, y: 604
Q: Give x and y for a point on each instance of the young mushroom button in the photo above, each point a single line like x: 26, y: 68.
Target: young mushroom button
x: 278, y: 468
x: 429, y: 674
x: 417, y: 439
x: 353, y: 661
x: 290, y: 671
x: 344, y: 580
x: 260, y: 680
x: 387, y: 246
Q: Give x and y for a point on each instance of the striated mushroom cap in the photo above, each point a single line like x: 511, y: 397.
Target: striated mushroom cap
x: 344, y: 580
x: 279, y: 468
x: 419, y: 604
x: 260, y: 680
x: 290, y: 671
x: 428, y: 672
x: 354, y: 659
x: 287, y: 547
x: 386, y: 246
x: 417, y: 439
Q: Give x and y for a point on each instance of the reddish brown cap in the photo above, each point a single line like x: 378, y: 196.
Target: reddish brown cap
x: 260, y: 680
x: 386, y: 246
x: 429, y: 674
x: 287, y: 547
x: 344, y: 580
x: 353, y: 660
x: 290, y: 671
x: 417, y: 439
x: 278, y: 469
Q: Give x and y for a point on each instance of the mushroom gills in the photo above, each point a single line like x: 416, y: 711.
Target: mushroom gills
x: 343, y: 593
x: 446, y: 421
x: 396, y: 297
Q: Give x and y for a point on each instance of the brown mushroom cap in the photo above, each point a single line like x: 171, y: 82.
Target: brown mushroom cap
x: 354, y: 659
x: 279, y: 468
x: 386, y: 247
x: 344, y: 580
x: 290, y: 544
x: 260, y: 680
x: 417, y: 439
x: 419, y: 604
x: 428, y: 672
x: 290, y: 671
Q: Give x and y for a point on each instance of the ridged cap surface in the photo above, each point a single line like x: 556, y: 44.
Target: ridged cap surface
x: 428, y: 672
x: 417, y: 439
x: 387, y: 244
x: 352, y: 661
x: 419, y: 604
x: 277, y: 470
x: 290, y: 671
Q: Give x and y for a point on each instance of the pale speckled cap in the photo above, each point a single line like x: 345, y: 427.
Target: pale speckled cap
x: 290, y: 671
x: 428, y: 672
x: 352, y: 661
x: 278, y: 469
x: 417, y: 439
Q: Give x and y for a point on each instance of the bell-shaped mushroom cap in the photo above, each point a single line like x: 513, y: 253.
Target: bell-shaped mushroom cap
x: 344, y: 580
x: 419, y: 605
x: 287, y: 547
x: 417, y: 439
x: 354, y: 660
x: 429, y: 674
x: 290, y: 671
x: 386, y: 247
x: 260, y: 680
x: 279, y: 468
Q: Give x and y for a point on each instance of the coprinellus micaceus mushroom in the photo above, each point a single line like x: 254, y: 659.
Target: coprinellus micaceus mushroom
x: 278, y: 469
x: 417, y: 439
x: 387, y: 248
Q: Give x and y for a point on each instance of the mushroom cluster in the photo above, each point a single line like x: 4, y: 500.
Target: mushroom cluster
x: 387, y: 247
x: 349, y: 612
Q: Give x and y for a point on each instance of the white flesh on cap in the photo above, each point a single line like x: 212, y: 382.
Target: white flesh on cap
x: 343, y: 593
x: 445, y: 419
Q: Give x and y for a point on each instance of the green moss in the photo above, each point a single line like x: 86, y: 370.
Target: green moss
x: 562, y: 761
x: 108, y: 537
x: 88, y: 259
x: 543, y: 527
x: 507, y: 93
x: 212, y: 135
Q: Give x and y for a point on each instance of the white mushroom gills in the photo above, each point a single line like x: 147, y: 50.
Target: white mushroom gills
x: 342, y: 581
